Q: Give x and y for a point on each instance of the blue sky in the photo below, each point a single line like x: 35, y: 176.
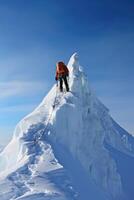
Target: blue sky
x: 35, y: 34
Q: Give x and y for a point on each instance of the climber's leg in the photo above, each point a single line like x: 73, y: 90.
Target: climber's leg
x: 66, y: 83
x: 61, y: 84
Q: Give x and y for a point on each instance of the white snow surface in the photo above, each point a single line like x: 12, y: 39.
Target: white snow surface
x: 54, y: 147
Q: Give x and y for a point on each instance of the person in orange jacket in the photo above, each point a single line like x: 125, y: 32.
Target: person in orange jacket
x: 62, y: 73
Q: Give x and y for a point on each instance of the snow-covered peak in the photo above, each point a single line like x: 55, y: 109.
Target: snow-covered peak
x: 74, y: 123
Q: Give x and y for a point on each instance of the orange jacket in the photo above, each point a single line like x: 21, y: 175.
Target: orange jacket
x: 61, y: 69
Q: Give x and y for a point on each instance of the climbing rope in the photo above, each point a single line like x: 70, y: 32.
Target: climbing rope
x: 37, y: 139
x: 50, y: 116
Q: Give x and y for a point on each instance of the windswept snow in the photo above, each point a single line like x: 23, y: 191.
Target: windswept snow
x: 65, y: 149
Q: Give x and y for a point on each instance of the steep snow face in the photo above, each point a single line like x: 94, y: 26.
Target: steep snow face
x: 76, y: 121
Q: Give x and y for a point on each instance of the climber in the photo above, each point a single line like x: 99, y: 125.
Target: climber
x: 62, y: 73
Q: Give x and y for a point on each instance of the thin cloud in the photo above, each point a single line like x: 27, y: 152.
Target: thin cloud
x: 5, y: 131
x: 21, y: 88
x: 18, y: 108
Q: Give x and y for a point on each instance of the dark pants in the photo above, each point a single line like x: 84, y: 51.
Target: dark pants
x: 61, y: 79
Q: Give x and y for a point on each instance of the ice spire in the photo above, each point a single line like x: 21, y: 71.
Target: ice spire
x: 73, y: 63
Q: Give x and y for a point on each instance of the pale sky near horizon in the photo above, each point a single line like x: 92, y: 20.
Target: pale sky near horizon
x: 34, y: 35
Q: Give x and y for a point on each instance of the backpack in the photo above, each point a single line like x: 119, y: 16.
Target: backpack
x: 62, y: 69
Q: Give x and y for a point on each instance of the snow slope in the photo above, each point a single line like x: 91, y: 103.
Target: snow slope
x: 69, y: 147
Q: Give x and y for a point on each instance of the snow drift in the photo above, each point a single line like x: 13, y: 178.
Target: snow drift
x: 69, y: 147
